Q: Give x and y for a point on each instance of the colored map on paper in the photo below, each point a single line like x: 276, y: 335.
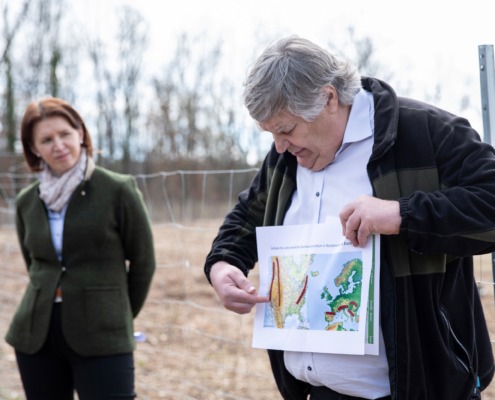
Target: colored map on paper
x: 315, y: 292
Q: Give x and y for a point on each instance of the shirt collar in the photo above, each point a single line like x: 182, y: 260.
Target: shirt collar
x: 359, y: 124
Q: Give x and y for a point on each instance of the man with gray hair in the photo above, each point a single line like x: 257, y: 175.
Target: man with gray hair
x: 347, y: 146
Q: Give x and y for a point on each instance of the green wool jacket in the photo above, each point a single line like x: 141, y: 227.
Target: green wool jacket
x: 106, y: 272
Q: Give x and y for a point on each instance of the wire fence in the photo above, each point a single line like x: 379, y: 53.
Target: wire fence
x: 176, y: 197
x: 189, y: 346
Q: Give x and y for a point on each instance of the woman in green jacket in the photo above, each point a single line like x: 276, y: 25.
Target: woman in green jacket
x: 87, y: 243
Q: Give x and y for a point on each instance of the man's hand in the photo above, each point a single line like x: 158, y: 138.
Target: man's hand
x: 235, y: 291
x: 368, y: 215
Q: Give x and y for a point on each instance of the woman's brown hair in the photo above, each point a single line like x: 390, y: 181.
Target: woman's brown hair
x: 41, y: 109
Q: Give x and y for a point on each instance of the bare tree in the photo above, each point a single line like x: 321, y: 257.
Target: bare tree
x: 8, y: 120
x: 361, y: 51
x: 196, y: 116
x: 132, y: 39
x: 105, y: 102
x: 10, y: 33
x: 49, y: 61
x: 8, y: 114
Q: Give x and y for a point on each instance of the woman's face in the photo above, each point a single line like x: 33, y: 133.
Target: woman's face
x: 57, y: 143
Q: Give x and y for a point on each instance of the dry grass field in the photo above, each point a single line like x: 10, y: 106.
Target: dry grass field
x: 194, y: 349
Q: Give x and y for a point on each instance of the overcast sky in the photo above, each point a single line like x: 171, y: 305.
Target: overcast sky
x: 421, y: 42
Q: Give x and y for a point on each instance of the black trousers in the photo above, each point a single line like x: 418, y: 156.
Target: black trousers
x: 56, y: 371
x: 324, y: 393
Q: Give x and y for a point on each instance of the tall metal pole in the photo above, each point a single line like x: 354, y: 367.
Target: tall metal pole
x: 487, y: 85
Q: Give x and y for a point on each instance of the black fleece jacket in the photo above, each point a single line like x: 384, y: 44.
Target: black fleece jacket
x: 434, y: 164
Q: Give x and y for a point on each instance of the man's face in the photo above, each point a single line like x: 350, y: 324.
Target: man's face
x: 315, y: 143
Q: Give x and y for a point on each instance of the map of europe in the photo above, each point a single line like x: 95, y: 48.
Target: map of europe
x: 315, y: 292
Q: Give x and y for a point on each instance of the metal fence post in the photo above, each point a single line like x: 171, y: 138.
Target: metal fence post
x: 487, y: 85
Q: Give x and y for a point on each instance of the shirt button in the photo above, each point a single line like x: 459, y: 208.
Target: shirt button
x: 309, y: 368
x: 317, y: 194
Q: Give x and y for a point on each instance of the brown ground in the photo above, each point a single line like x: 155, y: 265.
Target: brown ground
x: 194, y: 348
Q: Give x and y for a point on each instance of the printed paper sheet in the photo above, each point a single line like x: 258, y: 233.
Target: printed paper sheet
x: 324, y: 293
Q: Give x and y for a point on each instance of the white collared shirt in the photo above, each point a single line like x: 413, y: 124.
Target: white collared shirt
x: 56, y: 220
x: 320, y: 195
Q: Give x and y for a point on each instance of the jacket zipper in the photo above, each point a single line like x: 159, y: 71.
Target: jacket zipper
x: 468, y: 368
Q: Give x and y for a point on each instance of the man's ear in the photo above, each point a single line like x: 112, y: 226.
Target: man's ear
x: 332, y: 97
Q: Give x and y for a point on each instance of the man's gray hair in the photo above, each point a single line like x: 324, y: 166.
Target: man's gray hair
x: 290, y: 76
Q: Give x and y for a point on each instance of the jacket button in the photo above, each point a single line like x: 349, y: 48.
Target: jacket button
x: 309, y: 368
x: 83, y: 193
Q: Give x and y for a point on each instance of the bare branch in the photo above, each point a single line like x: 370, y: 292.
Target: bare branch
x: 9, y: 36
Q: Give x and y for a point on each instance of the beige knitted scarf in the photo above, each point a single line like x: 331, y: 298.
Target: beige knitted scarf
x: 55, y: 191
